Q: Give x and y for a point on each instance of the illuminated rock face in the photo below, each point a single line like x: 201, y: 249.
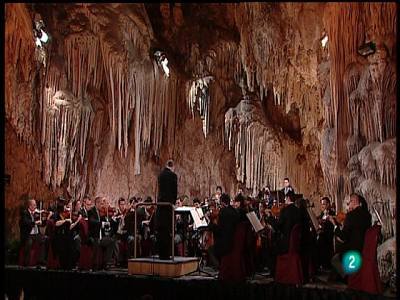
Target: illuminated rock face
x: 252, y: 96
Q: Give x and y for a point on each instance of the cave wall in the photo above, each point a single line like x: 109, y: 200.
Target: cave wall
x: 252, y: 97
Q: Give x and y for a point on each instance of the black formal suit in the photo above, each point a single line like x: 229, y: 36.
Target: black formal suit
x: 167, y: 186
x: 94, y: 222
x: 167, y: 192
x: 224, y: 231
x: 104, y: 242
x: 26, y: 224
x: 325, y: 240
x: 355, y: 225
x: 84, y: 212
x: 285, y: 190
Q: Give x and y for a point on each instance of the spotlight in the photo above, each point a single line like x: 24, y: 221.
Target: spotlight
x: 367, y: 49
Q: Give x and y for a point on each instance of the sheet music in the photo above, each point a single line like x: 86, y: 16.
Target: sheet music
x: 183, y: 209
x: 198, y: 218
x: 313, y: 218
x: 197, y: 215
x: 254, y: 221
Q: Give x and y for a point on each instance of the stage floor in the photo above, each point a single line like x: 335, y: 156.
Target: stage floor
x: 115, y: 283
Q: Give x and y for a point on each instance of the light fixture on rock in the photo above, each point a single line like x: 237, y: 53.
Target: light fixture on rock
x: 367, y: 49
x: 324, y: 41
x: 162, y: 61
x: 41, y: 37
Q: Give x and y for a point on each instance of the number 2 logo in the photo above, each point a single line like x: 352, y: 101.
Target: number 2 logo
x: 352, y: 259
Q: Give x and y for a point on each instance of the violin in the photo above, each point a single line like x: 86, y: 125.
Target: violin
x: 107, y: 211
x: 214, y: 214
x: 66, y: 214
x: 340, y: 217
x: 40, y: 214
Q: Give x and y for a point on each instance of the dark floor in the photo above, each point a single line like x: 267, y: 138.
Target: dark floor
x: 100, y: 284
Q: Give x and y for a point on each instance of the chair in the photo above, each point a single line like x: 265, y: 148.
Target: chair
x: 233, y: 265
x: 367, y: 279
x: 86, y: 251
x: 123, y: 252
x: 52, y: 261
x: 33, y: 257
x: 288, y: 266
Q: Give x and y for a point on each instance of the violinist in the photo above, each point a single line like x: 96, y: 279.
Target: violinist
x: 63, y: 240
x: 99, y: 235
x: 130, y: 222
x: 76, y: 216
x: 121, y: 234
x: 224, y: 231
x: 325, y: 235
x: 87, y: 204
x: 180, y: 221
x: 29, y: 232
x: 357, y: 221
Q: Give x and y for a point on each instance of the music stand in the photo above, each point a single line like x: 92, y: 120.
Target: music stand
x: 200, y: 269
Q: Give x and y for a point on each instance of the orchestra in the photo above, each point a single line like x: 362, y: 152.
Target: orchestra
x: 204, y: 229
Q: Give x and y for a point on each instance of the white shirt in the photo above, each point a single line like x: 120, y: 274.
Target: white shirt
x: 35, y: 229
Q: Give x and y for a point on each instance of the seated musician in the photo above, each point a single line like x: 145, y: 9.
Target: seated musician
x: 224, y: 231
x: 325, y: 235
x: 63, y: 236
x: 142, y: 215
x: 87, y: 205
x: 99, y: 235
x: 181, y: 223
x: 121, y: 233
x: 75, y: 229
x: 29, y: 232
x: 289, y: 216
x: 356, y: 223
x: 217, y: 195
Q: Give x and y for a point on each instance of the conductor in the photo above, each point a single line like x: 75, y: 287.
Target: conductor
x: 167, y: 192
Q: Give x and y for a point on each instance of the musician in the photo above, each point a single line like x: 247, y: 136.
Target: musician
x: 325, y: 235
x: 218, y: 193
x: 181, y: 221
x: 29, y: 232
x: 121, y: 235
x: 99, y: 235
x: 196, y: 202
x: 267, y: 197
x: 224, y: 231
x: 64, y: 232
x: 287, y: 187
x: 87, y: 205
x: 308, y: 239
x: 76, y: 217
x: 167, y: 192
x: 289, y: 216
x: 249, y: 253
x: 357, y: 221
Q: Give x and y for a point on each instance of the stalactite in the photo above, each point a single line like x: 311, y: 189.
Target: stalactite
x: 20, y: 68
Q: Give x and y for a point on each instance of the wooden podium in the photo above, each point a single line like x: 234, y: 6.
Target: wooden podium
x: 175, y: 267
x: 178, y: 266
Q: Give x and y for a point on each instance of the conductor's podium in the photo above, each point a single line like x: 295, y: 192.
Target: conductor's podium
x: 179, y: 266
